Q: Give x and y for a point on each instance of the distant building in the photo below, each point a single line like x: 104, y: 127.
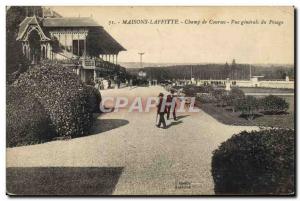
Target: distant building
x: 64, y: 39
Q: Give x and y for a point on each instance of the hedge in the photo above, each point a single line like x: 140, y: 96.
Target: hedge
x: 206, y: 98
x: 237, y: 93
x: 94, y: 99
x: 191, y: 90
x: 235, y: 96
x: 257, y: 162
x: 27, y: 122
x: 247, y: 106
x: 273, y: 104
x: 63, y: 96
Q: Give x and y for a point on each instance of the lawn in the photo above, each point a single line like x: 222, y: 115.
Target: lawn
x: 233, y: 118
x: 62, y: 180
x: 265, y: 90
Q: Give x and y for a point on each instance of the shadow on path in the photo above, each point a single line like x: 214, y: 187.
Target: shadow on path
x: 62, y: 180
x: 182, y: 116
x: 174, y: 123
x: 103, y: 125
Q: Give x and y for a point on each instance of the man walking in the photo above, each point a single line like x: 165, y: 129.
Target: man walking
x: 161, y: 110
x: 168, y: 105
x: 171, y: 105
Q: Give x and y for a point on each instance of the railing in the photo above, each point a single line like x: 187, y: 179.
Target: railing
x: 97, y: 64
x: 88, y: 63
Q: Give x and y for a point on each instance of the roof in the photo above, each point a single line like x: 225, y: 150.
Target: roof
x: 108, y: 43
x: 23, y: 26
x: 70, y: 22
x: 30, y: 21
x: 48, y: 12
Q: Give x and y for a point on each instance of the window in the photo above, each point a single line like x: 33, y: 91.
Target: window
x: 78, y: 47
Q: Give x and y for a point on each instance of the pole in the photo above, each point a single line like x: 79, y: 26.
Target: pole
x: 141, y: 58
x: 250, y: 72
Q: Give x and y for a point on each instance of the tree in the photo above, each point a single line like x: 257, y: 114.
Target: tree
x: 233, y: 69
x: 274, y: 104
x: 226, y: 70
x: 248, y: 106
x: 235, y: 96
x: 15, y: 61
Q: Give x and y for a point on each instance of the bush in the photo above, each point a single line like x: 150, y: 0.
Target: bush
x: 234, y: 97
x: 221, y: 96
x: 63, y: 96
x: 191, y: 90
x: 257, y: 162
x: 18, y: 66
x: 94, y: 99
x: 206, y: 98
x: 237, y: 93
x: 274, y: 104
x: 247, y: 106
x: 27, y: 121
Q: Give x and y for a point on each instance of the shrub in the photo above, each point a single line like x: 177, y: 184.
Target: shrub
x: 94, y: 99
x: 206, y: 89
x: 206, y: 98
x: 257, y: 162
x: 221, y: 96
x: 247, y: 106
x: 27, y: 121
x: 18, y: 66
x: 234, y: 97
x: 274, y: 104
x: 237, y: 93
x: 192, y: 90
x: 63, y: 96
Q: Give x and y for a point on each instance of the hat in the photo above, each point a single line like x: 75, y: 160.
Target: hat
x: 161, y: 94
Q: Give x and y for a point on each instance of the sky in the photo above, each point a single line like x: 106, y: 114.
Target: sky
x: 208, y: 42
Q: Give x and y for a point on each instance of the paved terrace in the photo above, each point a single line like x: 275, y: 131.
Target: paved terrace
x: 149, y: 160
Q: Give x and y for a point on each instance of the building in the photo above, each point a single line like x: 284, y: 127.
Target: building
x: 67, y: 40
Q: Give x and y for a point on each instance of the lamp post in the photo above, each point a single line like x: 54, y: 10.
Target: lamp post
x: 141, y: 73
x: 141, y: 58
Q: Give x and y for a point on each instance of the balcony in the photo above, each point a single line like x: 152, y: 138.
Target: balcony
x: 92, y: 64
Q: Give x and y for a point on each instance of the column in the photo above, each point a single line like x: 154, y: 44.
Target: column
x: 42, y: 53
x: 72, y: 42
x: 65, y: 40
x: 46, y: 51
x: 85, y: 46
x: 95, y: 75
x: 78, y: 43
x: 23, y: 48
x: 51, y: 53
x: 29, y: 52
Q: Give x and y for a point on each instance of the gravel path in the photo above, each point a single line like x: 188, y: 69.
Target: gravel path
x: 153, y: 159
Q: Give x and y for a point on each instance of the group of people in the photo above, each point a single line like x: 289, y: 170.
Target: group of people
x: 107, y: 84
x: 166, y: 106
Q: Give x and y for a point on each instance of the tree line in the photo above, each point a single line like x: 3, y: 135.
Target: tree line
x: 234, y: 71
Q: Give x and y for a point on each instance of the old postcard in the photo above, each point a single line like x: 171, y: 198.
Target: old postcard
x: 168, y: 100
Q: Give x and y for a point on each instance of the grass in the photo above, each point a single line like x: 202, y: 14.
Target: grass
x: 62, y: 180
x: 233, y: 118
x: 265, y: 90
